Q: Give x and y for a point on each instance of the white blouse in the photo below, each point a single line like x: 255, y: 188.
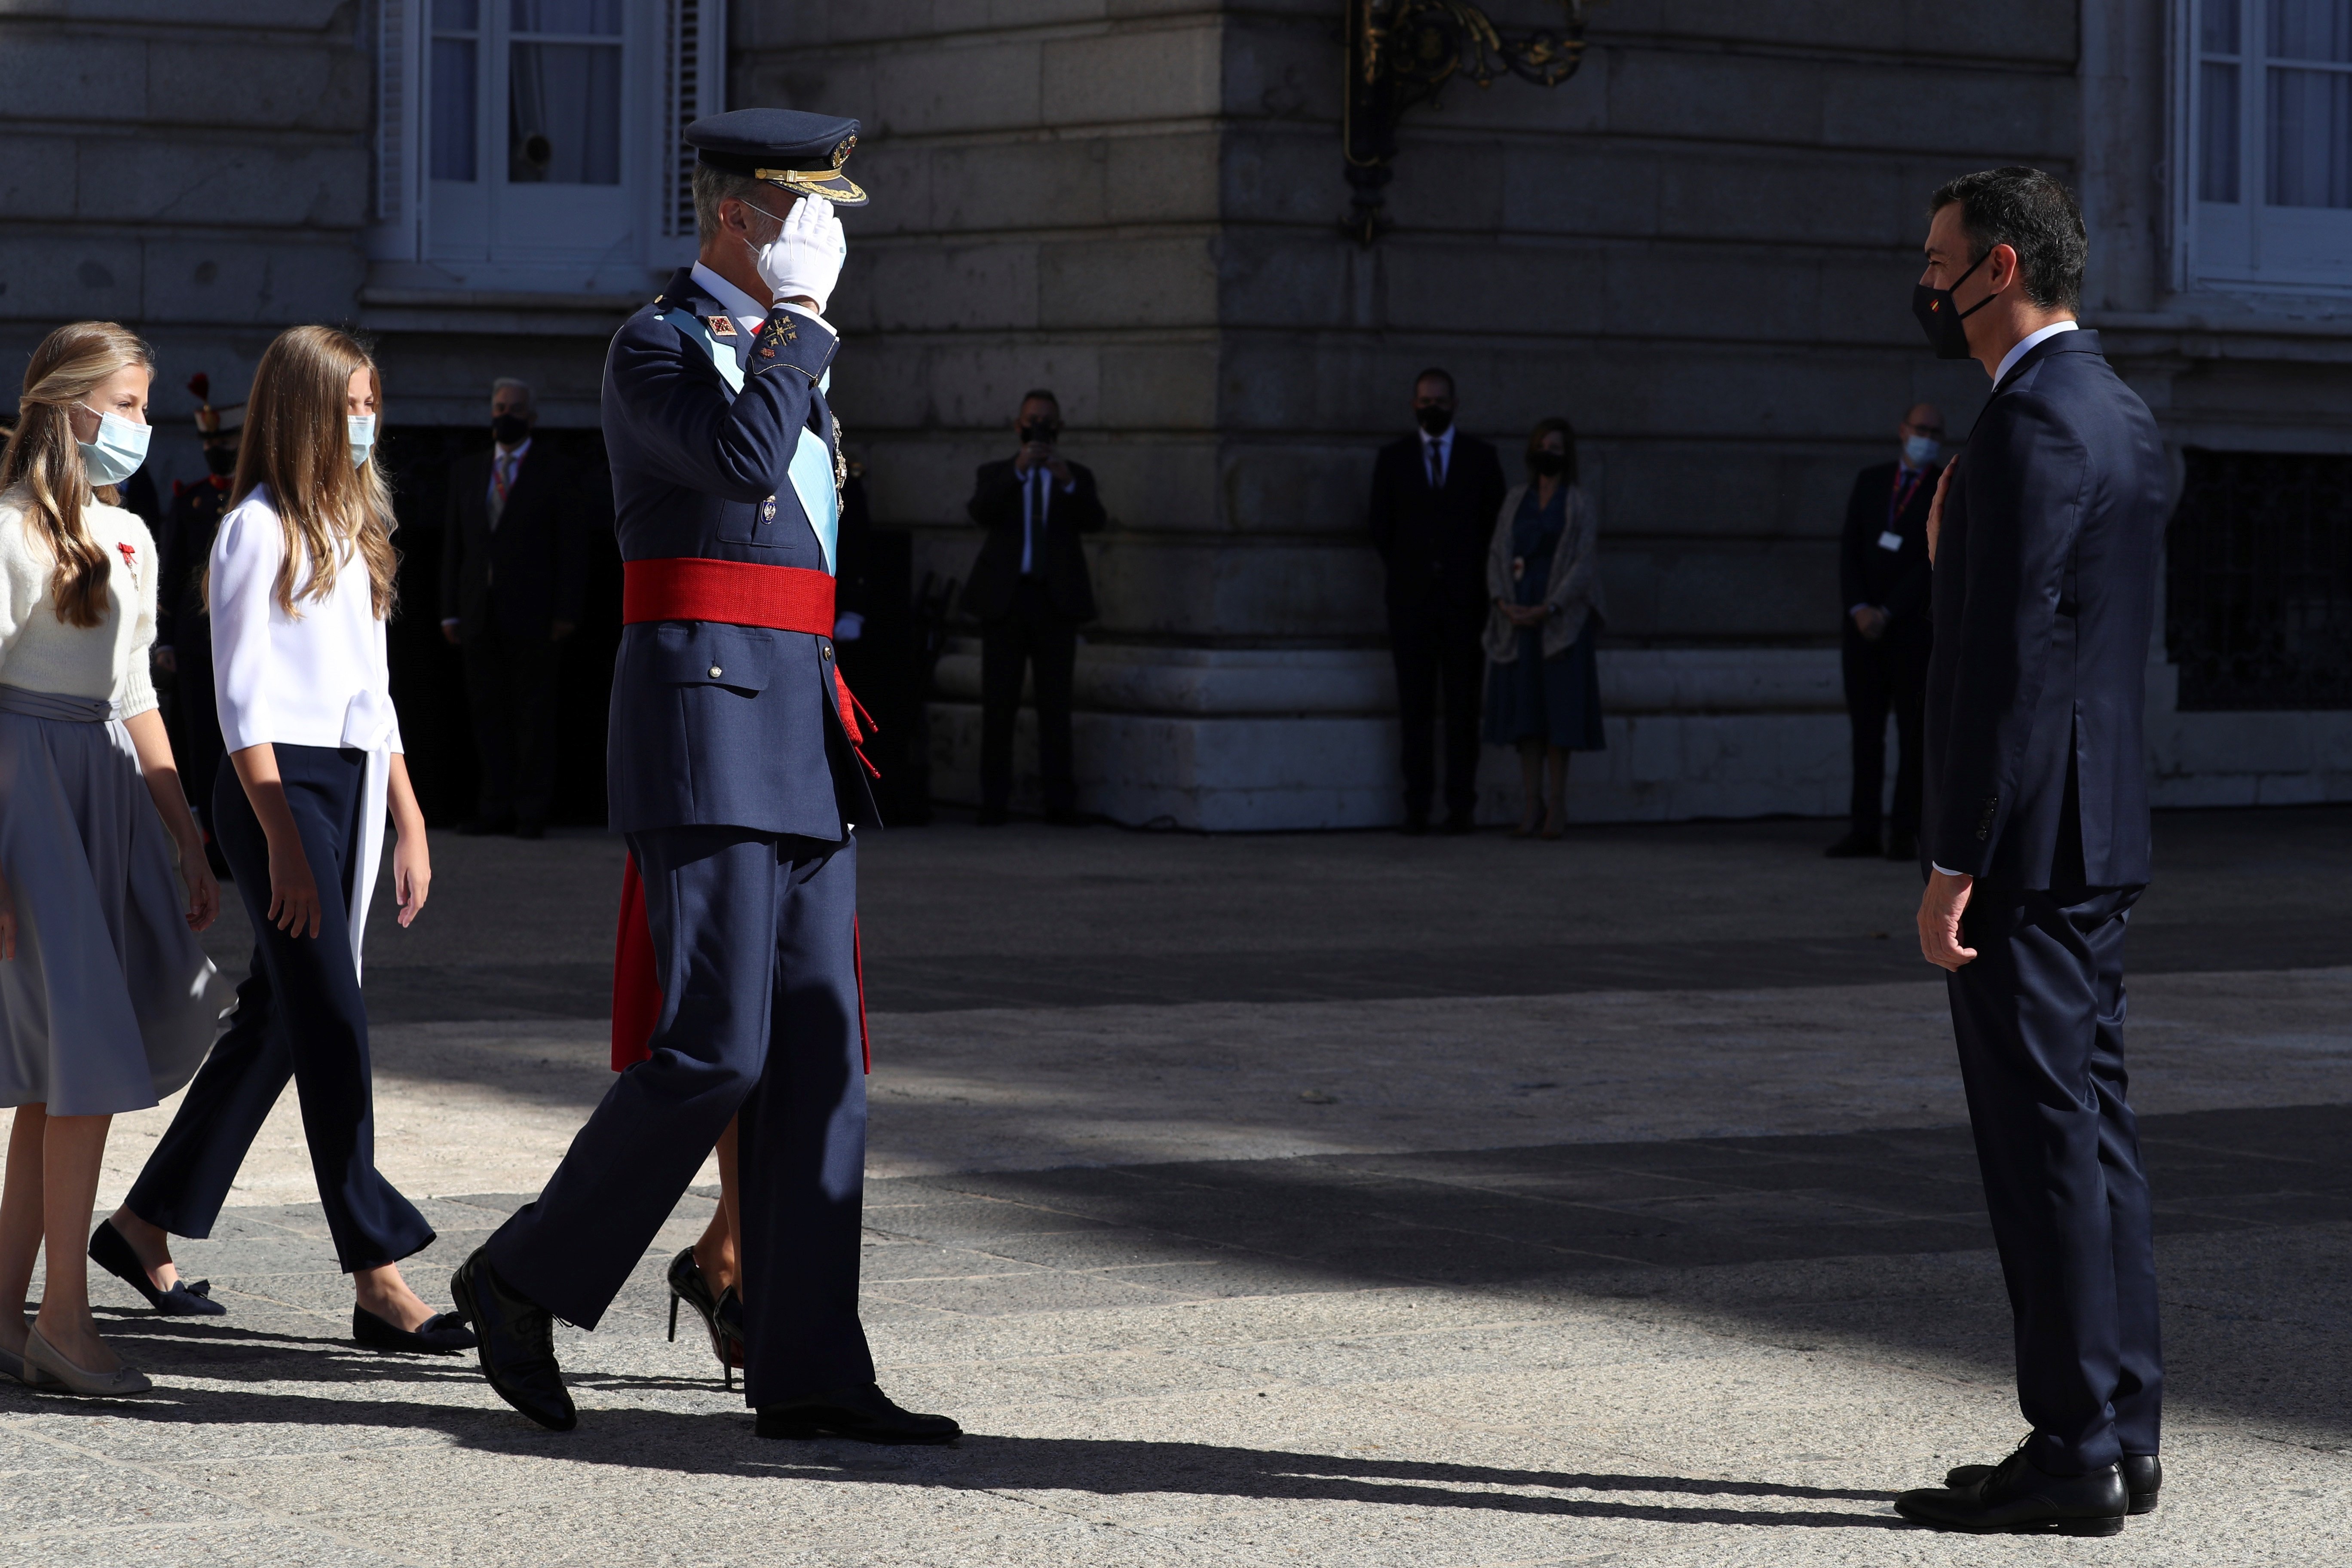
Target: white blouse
x: 39, y: 652
x: 319, y: 677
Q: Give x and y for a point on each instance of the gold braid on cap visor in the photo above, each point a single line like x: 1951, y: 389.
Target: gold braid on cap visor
x: 830, y: 183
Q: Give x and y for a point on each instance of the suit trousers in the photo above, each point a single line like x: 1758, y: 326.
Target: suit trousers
x: 2038, y: 1014
x: 196, y: 744
x: 1438, y: 648
x: 298, y: 1015
x: 1883, y: 676
x: 1032, y: 632
x: 754, y: 938
x: 511, y: 691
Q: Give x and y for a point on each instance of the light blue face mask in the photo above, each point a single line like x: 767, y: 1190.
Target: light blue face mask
x: 363, y: 429
x: 120, y: 447
x: 1922, y: 450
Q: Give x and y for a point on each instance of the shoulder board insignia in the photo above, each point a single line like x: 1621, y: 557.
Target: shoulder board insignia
x: 660, y: 300
x: 722, y: 326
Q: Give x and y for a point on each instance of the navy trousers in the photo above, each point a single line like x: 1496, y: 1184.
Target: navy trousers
x: 754, y: 938
x: 2040, y: 1018
x: 298, y: 1015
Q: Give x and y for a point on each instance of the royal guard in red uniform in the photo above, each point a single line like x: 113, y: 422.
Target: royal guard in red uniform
x: 735, y: 775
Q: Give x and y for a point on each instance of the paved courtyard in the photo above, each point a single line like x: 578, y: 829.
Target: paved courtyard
x: 1316, y: 1199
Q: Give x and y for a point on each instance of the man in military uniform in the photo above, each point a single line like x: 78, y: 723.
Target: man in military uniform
x: 183, y: 628
x: 735, y: 775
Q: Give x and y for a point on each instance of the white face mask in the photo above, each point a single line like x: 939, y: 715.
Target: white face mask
x: 120, y: 447
x: 362, y: 429
x: 1921, y: 450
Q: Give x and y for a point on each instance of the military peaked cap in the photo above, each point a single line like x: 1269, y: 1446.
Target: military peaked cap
x: 801, y: 152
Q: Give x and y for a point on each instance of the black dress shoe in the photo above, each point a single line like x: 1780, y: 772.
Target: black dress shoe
x: 443, y: 1333
x: 862, y: 1415
x: 2143, y: 1479
x: 1902, y: 847
x: 2017, y: 1499
x: 517, y: 1344
x: 1854, y: 846
x: 186, y: 1298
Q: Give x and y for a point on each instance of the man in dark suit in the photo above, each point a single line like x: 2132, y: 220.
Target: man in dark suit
x: 1435, y: 495
x: 2035, y: 825
x: 1030, y: 591
x: 514, y: 569
x: 1883, y: 581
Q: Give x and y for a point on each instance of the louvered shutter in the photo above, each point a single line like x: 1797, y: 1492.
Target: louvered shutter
x: 697, y: 87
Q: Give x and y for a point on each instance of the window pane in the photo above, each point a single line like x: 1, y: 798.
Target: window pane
x: 2217, y: 133
x: 2217, y: 28
x: 2310, y: 119
x: 456, y: 16
x: 598, y: 17
x: 563, y: 122
x: 450, y: 130
x: 2311, y: 30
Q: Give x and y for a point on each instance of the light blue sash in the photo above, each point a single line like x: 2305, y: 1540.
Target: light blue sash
x: 812, y: 466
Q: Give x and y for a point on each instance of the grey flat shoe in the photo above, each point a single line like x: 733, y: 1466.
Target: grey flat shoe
x: 41, y: 1355
x: 13, y: 1365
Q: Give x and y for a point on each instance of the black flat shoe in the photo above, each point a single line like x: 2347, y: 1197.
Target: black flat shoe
x: 517, y: 1344
x: 2017, y: 1499
x: 186, y: 1299
x: 861, y: 1414
x: 721, y: 1312
x: 2143, y: 1479
x: 443, y: 1333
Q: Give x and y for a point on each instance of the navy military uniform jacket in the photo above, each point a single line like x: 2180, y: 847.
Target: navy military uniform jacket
x: 715, y: 724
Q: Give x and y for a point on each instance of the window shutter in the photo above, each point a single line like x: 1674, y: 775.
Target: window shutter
x: 697, y: 87
x: 391, y: 75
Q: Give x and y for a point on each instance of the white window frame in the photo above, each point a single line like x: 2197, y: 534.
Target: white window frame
x: 2208, y: 258
x: 674, y: 71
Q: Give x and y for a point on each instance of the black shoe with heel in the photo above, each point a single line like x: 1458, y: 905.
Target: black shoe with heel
x: 112, y: 1252
x: 721, y: 1312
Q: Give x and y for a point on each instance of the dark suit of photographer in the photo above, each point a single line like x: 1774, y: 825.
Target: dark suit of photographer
x: 1030, y: 591
x: 513, y: 576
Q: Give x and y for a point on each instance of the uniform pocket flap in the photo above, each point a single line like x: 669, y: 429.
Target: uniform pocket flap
x: 710, y: 653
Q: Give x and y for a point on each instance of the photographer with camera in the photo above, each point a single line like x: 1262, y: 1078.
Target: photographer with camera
x: 1030, y: 591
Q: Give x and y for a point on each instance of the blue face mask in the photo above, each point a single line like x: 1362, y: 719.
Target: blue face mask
x: 363, y: 429
x: 120, y: 447
x: 1921, y: 450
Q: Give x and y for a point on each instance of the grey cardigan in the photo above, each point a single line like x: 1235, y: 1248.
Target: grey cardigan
x: 1573, y: 591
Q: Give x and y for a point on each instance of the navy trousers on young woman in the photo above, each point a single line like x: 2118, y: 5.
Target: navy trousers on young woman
x: 298, y: 1015
x: 753, y: 937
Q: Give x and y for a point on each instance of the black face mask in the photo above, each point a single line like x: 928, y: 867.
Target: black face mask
x: 1941, y: 321
x: 509, y: 430
x: 220, y: 460
x: 1548, y: 465
x: 1435, y: 420
x: 1040, y: 431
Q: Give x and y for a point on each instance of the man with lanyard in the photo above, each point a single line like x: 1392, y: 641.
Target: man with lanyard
x: 1883, y: 578
x: 734, y: 773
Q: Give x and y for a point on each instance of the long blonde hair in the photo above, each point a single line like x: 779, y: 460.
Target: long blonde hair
x: 295, y: 442
x: 44, y: 456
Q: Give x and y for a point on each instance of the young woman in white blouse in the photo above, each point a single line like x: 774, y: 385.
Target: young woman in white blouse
x: 107, y: 1003
x: 300, y: 584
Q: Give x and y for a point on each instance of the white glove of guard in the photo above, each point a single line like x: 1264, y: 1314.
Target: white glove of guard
x: 804, y: 261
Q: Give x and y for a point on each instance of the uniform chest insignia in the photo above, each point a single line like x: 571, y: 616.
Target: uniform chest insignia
x: 722, y: 326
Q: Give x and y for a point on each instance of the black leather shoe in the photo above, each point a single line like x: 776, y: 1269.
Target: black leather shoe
x: 862, y: 1415
x: 111, y: 1251
x: 2017, y: 1499
x: 517, y: 1344
x: 1854, y: 846
x: 1902, y: 847
x: 443, y: 1333
x: 2143, y: 1479
x: 721, y: 1312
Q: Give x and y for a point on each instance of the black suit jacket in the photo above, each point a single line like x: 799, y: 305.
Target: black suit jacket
x: 1058, y: 559
x: 1435, y: 543
x: 533, y: 570
x: 1893, y: 580
x: 2044, y: 596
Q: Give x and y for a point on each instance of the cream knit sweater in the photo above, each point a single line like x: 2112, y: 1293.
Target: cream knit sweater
x: 41, y: 653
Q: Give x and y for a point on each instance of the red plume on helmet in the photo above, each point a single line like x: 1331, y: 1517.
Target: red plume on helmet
x: 201, y: 386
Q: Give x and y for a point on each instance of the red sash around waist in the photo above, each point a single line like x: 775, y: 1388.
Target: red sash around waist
x: 733, y: 593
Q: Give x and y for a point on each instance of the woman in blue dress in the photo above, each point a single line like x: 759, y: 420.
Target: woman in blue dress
x: 1543, y: 688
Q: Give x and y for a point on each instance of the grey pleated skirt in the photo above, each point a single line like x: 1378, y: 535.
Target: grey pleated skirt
x: 109, y: 1004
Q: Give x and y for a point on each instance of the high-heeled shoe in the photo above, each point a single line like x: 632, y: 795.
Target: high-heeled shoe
x: 13, y: 1365
x: 40, y: 1354
x: 721, y: 1312
x: 111, y: 1251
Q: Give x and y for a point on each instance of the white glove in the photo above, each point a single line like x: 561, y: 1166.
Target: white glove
x: 804, y: 261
